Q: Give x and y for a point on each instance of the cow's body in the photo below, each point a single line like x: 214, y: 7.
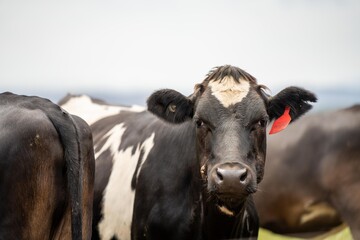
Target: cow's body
x: 160, y: 180
x: 124, y: 141
x: 319, y: 184
x: 46, y: 171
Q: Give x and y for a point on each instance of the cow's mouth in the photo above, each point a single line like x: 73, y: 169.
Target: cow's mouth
x: 231, y: 202
x: 229, y: 205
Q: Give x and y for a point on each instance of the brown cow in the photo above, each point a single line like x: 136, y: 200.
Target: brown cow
x: 312, y: 180
x: 46, y: 171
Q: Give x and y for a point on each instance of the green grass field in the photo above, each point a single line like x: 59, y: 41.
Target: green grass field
x: 340, y: 233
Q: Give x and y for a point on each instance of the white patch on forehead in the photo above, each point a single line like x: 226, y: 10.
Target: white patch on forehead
x: 228, y: 91
x: 118, y: 200
x: 83, y: 107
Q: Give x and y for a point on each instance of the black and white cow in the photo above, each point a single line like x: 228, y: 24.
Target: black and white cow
x: 46, y: 171
x: 193, y: 175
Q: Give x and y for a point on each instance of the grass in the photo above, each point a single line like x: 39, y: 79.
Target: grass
x: 340, y: 233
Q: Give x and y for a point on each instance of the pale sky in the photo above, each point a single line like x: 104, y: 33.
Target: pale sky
x: 78, y: 46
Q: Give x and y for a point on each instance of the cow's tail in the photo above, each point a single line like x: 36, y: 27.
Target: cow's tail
x: 70, y: 139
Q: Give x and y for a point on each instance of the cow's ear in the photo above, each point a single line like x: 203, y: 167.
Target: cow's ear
x: 173, y: 106
x: 294, y: 99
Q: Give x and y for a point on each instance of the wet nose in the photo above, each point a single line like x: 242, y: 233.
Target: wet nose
x: 230, y: 177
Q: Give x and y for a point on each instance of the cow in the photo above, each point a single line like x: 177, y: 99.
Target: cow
x: 187, y: 167
x: 47, y: 170
x: 319, y: 185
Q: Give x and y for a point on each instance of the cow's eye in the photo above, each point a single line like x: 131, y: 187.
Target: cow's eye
x: 262, y: 123
x: 199, y: 123
x: 259, y: 125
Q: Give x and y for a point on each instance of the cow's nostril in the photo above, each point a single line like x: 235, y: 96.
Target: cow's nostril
x: 243, y: 176
x: 219, y: 175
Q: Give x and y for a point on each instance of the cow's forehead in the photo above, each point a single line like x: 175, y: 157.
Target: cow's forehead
x: 229, y: 91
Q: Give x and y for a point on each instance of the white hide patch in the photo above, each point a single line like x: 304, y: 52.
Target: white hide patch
x: 83, y: 107
x: 228, y: 91
x: 118, y: 199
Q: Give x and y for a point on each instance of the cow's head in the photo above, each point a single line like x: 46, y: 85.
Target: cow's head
x: 230, y: 112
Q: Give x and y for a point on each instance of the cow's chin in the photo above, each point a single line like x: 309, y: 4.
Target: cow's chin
x: 232, y: 200
x: 230, y: 206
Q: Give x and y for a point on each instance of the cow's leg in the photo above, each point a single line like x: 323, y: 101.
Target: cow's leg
x: 63, y: 229
x: 30, y: 180
x: 50, y: 182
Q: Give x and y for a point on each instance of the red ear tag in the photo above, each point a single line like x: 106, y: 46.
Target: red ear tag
x: 282, y: 122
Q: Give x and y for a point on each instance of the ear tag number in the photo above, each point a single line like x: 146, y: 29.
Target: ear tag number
x: 282, y: 122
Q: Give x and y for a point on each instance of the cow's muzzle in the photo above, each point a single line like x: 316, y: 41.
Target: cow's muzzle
x: 231, y: 180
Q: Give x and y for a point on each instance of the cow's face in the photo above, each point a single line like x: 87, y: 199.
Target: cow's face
x: 231, y: 118
x: 230, y: 112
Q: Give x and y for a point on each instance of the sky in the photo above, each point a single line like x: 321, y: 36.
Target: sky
x: 59, y: 47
